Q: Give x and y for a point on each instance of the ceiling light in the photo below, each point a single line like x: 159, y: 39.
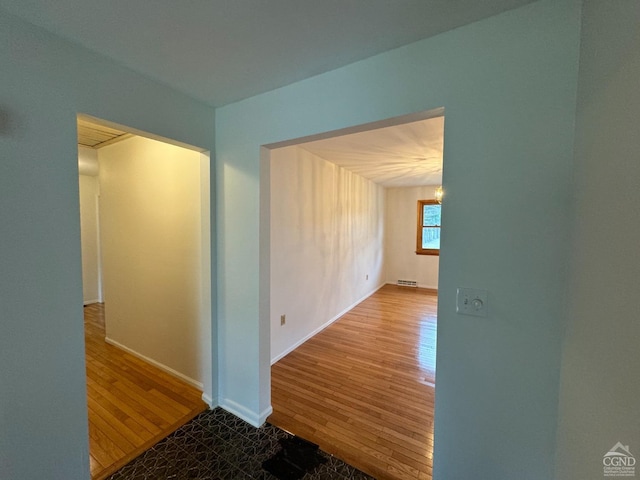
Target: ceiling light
x: 438, y: 194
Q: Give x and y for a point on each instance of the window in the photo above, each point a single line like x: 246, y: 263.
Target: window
x: 428, y: 236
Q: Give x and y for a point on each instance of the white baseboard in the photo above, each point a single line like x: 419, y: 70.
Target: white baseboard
x: 209, y: 401
x: 323, y: 326
x: 90, y: 302
x: 245, y: 414
x: 155, y: 363
x: 262, y: 418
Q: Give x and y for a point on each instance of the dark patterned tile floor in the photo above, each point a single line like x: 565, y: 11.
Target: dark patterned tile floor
x: 217, y: 445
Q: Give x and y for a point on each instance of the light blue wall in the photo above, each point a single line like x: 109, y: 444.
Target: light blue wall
x: 508, y: 85
x: 600, y: 395
x: 44, y: 82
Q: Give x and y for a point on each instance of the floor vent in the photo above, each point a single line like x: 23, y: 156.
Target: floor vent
x: 407, y: 283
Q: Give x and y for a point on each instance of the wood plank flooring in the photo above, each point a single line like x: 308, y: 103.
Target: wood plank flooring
x: 363, y: 388
x: 132, y: 404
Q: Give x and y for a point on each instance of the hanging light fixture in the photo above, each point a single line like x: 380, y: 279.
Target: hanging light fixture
x: 439, y: 193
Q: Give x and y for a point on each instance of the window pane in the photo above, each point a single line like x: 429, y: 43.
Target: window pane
x: 431, y: 238
x: 431, y: 215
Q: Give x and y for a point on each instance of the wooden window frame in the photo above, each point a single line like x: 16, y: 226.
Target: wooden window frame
x: 419, y: 249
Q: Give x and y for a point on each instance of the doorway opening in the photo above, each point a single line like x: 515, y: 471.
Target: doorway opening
x: 352, y: 347
x: 145, y: 220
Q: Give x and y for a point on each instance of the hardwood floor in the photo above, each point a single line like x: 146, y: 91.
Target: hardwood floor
x: 132, y: 404
x: 363, y: 388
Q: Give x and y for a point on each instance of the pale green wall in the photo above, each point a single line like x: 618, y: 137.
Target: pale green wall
x: 600, y: 394
x: 508, y: 85
x: 44, y: 82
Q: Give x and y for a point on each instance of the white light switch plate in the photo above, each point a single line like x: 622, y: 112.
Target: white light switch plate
x: 471, y: 301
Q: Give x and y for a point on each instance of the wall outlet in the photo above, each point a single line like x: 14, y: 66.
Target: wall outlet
x: 283, y: 319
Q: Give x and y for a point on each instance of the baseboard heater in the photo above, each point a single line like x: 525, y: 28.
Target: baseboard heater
x: 407, y: 283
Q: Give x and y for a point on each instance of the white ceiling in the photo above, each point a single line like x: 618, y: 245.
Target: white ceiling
x: 221, y: 51
x: 406, y: 155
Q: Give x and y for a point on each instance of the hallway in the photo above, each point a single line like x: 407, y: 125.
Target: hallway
x: 132, y: 404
